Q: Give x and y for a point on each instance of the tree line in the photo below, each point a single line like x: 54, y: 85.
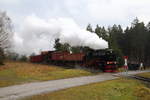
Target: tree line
x: 133, y: 41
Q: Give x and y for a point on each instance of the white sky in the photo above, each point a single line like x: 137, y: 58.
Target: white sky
x: 102, y: 12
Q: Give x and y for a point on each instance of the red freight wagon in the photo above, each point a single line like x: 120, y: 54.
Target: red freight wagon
x: 59, y: 56
x: 37, y: 58
x: 74, y: 57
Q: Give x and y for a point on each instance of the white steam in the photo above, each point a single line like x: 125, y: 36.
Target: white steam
x: 38, y: 34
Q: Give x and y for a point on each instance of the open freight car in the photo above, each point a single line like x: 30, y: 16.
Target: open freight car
x: 36, y: 59
x: 44, y: 57
x: 66, y: 58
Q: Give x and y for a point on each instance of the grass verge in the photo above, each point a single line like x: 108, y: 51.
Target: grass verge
x: 120, y: 89
x: 147, y: 74
x: 20, y: 72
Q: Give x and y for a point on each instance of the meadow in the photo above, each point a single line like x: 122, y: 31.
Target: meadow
x: 22, y: 72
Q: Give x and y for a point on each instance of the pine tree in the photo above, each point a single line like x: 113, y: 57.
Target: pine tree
x: 89, y: 28
x: 61, y: 47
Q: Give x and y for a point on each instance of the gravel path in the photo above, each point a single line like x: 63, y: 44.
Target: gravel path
x: 19, y: 91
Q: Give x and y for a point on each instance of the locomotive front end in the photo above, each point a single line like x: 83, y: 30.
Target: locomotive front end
x: 111, y: 61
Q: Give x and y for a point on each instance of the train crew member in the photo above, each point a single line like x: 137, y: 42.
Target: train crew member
x: 126, y: 65
x: 141, y: 66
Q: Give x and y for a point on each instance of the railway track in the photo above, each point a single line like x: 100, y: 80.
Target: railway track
x: 140, y: 78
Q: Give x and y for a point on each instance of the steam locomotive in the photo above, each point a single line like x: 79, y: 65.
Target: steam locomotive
x: 104, y: 60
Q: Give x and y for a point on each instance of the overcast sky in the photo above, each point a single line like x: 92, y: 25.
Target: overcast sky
x: 102, y: 12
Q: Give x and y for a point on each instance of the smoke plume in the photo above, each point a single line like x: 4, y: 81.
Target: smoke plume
x: 36, y: 34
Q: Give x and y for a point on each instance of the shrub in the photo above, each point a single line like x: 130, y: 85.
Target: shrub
x: 23, y: 58
x: 1, y: 56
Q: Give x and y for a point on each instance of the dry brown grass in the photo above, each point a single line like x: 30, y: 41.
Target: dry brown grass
x: 20, y: 72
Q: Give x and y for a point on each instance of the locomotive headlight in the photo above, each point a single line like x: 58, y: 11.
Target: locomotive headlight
x: 108, y: 62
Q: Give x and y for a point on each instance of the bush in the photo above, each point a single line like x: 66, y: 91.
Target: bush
x: 1, y: 56
x: 16, y: 57
x: 23, y: 58
x: 12, y: 56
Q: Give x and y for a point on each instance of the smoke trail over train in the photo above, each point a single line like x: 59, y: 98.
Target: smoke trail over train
x: 37, y: 34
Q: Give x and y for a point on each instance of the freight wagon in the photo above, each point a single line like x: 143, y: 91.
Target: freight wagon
x: 36, y: 58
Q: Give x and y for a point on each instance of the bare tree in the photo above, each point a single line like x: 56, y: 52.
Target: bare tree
x: 5, y: 34
x: 5, y: 30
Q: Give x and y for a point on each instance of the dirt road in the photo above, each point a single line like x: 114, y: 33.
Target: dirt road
x: 19, y: 91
